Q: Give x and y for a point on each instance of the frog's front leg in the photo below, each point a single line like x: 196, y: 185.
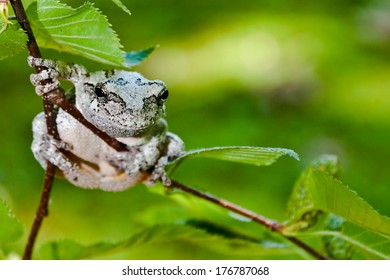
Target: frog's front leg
x: 137, y: 159
x: 148, y: 158
x: 53, y: 70
x: 174, y: 146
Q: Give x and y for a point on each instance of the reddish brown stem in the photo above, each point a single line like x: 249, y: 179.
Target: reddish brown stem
x: 57, y: 97
x: 269, y: 224
x: 54, y: 97
x: 21, y: 17
x: 42, y: 211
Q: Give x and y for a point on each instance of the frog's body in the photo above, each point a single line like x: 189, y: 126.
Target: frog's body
x: 123, y: 104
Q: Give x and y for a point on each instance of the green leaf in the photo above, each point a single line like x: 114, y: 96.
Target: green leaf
x: 67, y: 249
x: 122, y: 6
x: 317, y: 190
x: 10, y: 228
x: 317, y: 193
x: 349, y: 240
x: 243, y: 154
x: 13, y: 40
x: 136, y: 57
x: 82, y: 31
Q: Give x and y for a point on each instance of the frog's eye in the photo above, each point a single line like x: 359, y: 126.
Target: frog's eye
x: 163, y: 95
x: 100, y: 91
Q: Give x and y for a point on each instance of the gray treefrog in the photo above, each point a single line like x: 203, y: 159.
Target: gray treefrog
x: 123, y: 104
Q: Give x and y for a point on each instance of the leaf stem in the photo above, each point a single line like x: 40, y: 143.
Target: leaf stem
x: 272, y: 225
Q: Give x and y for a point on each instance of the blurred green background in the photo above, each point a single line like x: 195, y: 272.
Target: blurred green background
x: 310, y: 76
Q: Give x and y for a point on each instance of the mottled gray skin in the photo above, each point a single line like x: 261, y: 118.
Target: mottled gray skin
x: 123, y: 104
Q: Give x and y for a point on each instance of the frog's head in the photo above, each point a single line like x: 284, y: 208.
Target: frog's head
x: 121, y: 103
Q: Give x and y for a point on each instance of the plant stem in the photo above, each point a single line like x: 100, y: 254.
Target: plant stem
x: 21, y: 17
x: 57, y: 97
x: 54, y: 97
x: 42, y: 211
x: 269, y: 224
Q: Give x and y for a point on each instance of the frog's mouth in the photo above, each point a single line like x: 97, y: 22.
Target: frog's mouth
x: 124, y: 126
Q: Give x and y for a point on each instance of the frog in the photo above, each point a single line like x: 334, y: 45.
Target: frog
x: 125, y: 105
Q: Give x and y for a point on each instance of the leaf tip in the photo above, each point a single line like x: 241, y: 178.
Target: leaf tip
x: 293, y: 154
x: 122, y: 6
x: 134, y: 58
x: 288, y: 152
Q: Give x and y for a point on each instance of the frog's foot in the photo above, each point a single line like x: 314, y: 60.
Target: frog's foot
x: 159, y: 174
x: 123, y: 161
x: 58, y: 144
x: 36, y: 80
x: 49, y: 73
x: 174, y: 148
x: 51, y: 149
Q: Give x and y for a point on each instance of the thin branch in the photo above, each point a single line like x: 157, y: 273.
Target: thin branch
x: 57, y: 97
x: 42, y: 211
x: 54, y: 97
x: 21, y: 16
x: 269, y: 224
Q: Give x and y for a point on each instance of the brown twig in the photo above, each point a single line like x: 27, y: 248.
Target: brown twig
x: 57, y: 96
x: 269, y: 224
x: 54, y: 97
x: 21, y: 17
x: 59, y: 100
x: 42, y: 210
